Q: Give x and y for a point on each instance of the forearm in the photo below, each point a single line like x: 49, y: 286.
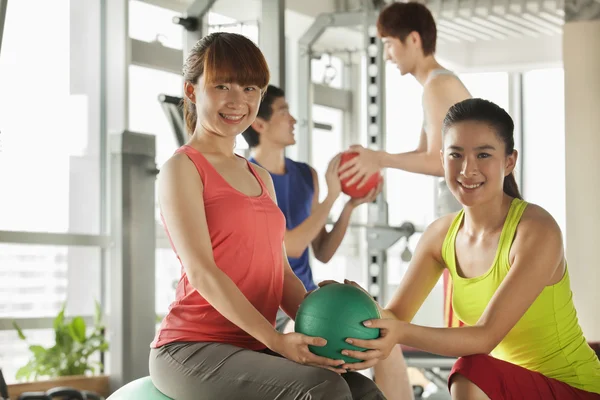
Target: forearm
x: 220, y: 291
x: 330, y: 241
x: 419, y: 162
x: 450, y: 342
x: 293, y: 294
x: 298, y: 239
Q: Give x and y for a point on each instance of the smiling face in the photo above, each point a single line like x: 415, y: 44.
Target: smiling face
x: 225, y: 109
x: 475, y: 162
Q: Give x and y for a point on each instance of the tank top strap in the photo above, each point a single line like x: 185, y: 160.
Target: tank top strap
x: 202, y: 165
x: 254, y: 172
x: 211, y: 179
x: 448, y: 247
x: 437, y: 72
x: 517, y: 207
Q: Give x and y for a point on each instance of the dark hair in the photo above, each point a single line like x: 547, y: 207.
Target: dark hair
x: 223, y: 57
x: 400, y: 19
x: 265, y: 111
x: 496, y: 117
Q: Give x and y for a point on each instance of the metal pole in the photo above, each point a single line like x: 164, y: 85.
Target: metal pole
x: 132, y: 273
x: 375, y: 107
x: 3, y: 6
x: 195, y: 22
x: 272, y: 39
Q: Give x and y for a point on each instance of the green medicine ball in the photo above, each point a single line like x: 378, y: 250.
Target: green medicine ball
x: 336, y: 312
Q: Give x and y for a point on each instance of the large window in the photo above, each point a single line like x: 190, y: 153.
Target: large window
x: 543, y: 153
x: 410, y: 197
x: 49, y: 166
x: 492, y: 86
x: 325, y: 145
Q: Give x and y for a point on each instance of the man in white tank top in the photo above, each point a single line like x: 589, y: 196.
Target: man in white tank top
x: 409, y: 33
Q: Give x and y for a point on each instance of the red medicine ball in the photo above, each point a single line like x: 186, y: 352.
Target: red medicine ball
x: 352, y: 190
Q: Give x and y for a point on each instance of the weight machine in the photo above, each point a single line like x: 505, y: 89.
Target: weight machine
x: 380, y: 236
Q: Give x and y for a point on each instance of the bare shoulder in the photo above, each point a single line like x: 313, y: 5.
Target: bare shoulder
x: 537, y: 221
x: 178, y: 167
x: 445, y: 87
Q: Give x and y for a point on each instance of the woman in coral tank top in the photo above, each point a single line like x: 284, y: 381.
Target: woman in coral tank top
x: 218, y: 340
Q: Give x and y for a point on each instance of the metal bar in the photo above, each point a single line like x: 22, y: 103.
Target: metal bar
x: 478, y: 28
x: 54, y: 239
x: 195, y: 23
x: 331, y: 97
x: 376, y: 125
x: 6, y: 324
x: 331, y: 20
x: 305, y: 52
x: 451, y: 26
x: 529, y: 24
x: 3, y: 7
x: 272, y: 38
x: 305, y: 101
x: 171, y: 106
x: 199, y: 8
x: 323, y: 127
x: 515, y: 108
x: 156, y: 56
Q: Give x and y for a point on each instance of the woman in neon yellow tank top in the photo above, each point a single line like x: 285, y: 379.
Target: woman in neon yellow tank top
x: 522, y: 339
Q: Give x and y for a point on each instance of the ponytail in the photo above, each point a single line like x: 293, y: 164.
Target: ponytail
x: 189, y: 114
x: 510, y: 186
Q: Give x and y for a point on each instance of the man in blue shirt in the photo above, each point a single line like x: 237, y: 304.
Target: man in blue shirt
x: 297, y: 191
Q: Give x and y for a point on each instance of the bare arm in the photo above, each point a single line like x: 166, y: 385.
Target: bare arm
x: 537, y: 260
x: 425, y: 159
x: 180, y: 197
x: 293, y: 289
x: 424, y: 272
x: 326, y: 243
x: 298, y: 239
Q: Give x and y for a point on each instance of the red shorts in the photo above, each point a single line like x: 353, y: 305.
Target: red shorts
x: 501, y: 380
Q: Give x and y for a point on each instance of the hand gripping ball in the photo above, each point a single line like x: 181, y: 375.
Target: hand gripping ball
x: 353, y: 190
x: 336, y: 312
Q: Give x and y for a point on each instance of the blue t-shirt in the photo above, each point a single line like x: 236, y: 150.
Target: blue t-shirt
x: 294, y: 191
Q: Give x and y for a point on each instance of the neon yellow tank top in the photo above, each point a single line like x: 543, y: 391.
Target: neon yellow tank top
x: 548, y: 338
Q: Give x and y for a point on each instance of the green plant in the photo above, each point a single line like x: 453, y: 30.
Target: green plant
x: 71, y: 351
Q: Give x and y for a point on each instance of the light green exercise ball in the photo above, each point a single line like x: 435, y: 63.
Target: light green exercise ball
x: 140, y: 389
x: 336, y: 312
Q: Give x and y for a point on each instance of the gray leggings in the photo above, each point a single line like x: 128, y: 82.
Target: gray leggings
x: 218, y: 371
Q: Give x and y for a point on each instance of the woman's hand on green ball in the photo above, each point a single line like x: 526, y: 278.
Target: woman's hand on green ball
x: 294, y: 346
x: 376, y: 349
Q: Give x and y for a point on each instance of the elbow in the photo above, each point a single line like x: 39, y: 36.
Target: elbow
x: 324, y: 258
x: 488, y: 342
